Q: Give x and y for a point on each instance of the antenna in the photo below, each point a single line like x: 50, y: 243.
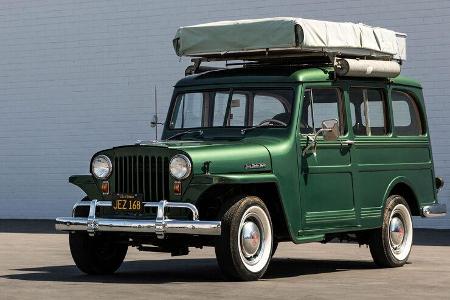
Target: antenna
x: 156, y: 114
x: 154, y: 123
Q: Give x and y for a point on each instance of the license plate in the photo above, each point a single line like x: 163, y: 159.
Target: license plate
x: 127, y: 203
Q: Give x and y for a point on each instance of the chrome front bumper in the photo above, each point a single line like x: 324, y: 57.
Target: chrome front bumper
x: 160, y: 226
x: 434, y: 210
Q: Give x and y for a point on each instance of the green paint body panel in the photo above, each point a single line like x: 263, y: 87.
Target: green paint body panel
x: 336, y: 190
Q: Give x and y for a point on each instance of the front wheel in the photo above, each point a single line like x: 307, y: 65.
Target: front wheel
x: 96, y: 255
x: 391, y: 244
x: 244, y: 248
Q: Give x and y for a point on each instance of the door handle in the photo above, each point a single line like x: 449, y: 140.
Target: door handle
x: 347, y: 143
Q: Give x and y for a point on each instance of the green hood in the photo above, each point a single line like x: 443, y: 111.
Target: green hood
x: 224, y: 157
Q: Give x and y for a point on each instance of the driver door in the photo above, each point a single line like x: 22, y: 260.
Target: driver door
x: 326, y: 178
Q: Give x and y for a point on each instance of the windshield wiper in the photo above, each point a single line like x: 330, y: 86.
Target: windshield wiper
x: 200, y: 133
x: 265, y: 123
x: 244, y: 130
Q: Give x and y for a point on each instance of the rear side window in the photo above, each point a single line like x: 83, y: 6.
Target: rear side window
x: 407, y: 120
x: 368, y: 111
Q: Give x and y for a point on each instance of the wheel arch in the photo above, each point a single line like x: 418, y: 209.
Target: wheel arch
x: 403, y: 187
x: 212, y: 200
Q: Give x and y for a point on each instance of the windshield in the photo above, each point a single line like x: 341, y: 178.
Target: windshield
x: 232, y: 108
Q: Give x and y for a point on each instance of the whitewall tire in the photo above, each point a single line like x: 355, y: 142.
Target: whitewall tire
x: 244, y: 249
x: 391, y: 244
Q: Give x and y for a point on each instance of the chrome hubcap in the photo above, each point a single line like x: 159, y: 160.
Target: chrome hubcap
x: 250, y: 239
x: 397, y: 232
x: 255, y: 239
x: 400, y: 232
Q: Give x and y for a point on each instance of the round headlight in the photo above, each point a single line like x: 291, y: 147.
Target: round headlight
x: 101, y: 166
x: 180, y: 167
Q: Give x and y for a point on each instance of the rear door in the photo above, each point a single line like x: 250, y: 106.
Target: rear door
x: 326, y: 175
x: 390, y: 146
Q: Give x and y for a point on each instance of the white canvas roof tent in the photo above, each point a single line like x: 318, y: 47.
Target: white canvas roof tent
x: 295, y: 38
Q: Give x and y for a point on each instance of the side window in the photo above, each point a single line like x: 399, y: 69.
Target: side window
x: 407, y: 120
x: 220, y: 107
x: 266, y: 107
x: 238, y: 107
x: 319, y: 105
x: 189, y: 111
x: 368, y: 111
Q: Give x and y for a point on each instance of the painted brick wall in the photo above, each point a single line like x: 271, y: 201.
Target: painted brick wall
x: 78, y: 76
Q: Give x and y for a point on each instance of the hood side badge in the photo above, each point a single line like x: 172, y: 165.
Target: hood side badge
x: 255, y: 166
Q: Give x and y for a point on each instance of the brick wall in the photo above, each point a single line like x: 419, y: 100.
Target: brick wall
x: 79, y: 76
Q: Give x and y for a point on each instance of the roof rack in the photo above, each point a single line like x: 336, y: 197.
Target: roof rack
x: 350, y: 67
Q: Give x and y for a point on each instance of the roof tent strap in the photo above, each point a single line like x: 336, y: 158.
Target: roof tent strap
x: 366, y: 111
x: 176, y: 46
x: 299, y: 35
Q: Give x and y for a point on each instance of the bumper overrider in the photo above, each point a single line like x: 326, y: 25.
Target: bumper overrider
x: 160, y: 226
x: 434, y: 210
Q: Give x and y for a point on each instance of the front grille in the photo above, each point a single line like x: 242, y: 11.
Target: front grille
x: 145, y: 175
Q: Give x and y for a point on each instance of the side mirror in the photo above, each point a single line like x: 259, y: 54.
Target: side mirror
x: 330, y: 132
x: 330, y: 129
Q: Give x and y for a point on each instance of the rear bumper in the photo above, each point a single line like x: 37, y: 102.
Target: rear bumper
x: 434, y: 210
x: 160, y: 226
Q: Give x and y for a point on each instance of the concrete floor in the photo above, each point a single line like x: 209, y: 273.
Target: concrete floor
x: 39, y: 266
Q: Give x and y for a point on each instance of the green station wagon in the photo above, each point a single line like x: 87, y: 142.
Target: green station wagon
x: 262, y: 153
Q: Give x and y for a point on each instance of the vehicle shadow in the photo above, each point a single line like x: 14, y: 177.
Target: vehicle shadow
x: 183, y: 270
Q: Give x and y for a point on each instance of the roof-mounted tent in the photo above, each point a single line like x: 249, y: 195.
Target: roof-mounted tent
x: 291, y: 39
x: 287, y: 36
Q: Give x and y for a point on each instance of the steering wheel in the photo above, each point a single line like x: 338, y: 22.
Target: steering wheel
x: 272, y: 121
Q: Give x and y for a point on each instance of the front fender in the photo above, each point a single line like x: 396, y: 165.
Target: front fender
x: 88, y: 184
x: 200, y: 184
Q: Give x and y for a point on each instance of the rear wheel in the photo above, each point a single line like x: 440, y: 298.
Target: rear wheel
x: 96, y: 255
x: 391, y: 244
x: 244, y: 248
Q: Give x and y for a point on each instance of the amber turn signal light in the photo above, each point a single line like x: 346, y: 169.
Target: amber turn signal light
x: 177, y: 187
x: 105, y: 187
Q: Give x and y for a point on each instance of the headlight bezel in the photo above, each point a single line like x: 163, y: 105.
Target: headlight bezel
x: 188, y: 166
x: 109, y: 163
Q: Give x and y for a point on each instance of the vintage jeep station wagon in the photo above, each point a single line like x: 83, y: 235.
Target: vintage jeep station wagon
x: 308, y: 133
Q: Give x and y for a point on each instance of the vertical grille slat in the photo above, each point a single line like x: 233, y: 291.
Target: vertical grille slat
x: 122, y: 175
x: 166, y: 178
x: 147, y: 175
x: 159, y: 178
x: 152, y: 182
x: 147, y: 187
x: 130, y: 175
x: 140, y: 175
x: 162, y: 180
x: 135, y: 173
x: 149, y: 179
x: 125, y: 174
x: 116, y: 174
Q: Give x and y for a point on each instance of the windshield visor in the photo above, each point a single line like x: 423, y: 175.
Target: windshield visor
x: 232, y: 108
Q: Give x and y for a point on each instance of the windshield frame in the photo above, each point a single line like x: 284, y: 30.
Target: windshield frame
x: 230, y: 89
